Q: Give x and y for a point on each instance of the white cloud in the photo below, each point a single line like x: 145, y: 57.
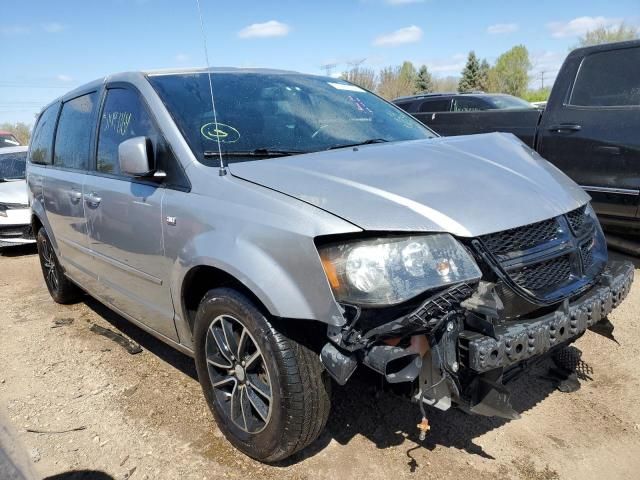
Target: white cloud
x: 14, y: 30
x: 64, y: 78
x: 580, y: 25
x: 402, y: 2
x: 502, y: 28
x: 182, y: 58
x: 452, y: 65
x: 399, y: 37
x: 53, y: 27
x: 272, y: 28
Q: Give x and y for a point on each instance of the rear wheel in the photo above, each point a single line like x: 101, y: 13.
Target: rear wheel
x: 62, y: 289
x: 268, y: 393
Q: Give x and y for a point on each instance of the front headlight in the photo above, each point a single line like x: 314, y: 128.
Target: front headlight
x: 387, y: 271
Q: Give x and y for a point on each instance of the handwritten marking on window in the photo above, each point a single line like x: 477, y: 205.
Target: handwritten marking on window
x: 117, y: 121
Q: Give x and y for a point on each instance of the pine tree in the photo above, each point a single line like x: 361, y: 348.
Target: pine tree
x: 424, y: 82
x: 470, y: 75
x: 485, y: 68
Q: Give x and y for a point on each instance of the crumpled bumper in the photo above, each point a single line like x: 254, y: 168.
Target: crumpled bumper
x: 518, y: 341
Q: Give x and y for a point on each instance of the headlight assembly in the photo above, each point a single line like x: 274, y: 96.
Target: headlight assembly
x: 388, y: 271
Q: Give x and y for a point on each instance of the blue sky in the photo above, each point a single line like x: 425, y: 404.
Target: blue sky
x: 49, y: 47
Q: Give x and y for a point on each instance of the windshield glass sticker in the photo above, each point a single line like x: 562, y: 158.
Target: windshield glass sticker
x: 345, y: 86
x: 222, y: 133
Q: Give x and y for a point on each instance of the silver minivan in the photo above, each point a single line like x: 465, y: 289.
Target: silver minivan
x: 300, y: 227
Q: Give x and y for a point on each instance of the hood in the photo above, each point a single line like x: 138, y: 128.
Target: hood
x: 467, y: 186
x: 14, y: 191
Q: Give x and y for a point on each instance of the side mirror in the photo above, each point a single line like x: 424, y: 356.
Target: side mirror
x: 133, y: 156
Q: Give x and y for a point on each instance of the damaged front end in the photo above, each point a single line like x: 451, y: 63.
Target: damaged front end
x: 542, y: 286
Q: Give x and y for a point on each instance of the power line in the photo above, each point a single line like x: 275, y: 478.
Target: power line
x: 22, y: 85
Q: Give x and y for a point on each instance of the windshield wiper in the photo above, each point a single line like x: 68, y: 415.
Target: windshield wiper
x: 258, y: 152
x: 366, y: 142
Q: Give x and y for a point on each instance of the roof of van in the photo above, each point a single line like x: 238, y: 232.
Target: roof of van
x: 123, y: 76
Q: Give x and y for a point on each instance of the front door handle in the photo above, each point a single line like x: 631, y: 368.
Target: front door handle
x: 92, y: 199
x: 565, y: 127
x: 75, y: 195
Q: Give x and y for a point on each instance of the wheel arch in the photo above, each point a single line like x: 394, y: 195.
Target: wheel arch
x: 200, y: 279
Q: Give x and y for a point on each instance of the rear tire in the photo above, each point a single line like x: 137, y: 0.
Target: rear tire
x: 281, y: 392
x: 62, y: 289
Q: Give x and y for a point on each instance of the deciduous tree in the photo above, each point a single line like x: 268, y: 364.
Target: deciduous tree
x: 614, y: 33
x: 364, y: 77
x: 511, y: 72
x: 20, y: 130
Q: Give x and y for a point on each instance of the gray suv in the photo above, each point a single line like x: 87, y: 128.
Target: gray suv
x: 305, y: 226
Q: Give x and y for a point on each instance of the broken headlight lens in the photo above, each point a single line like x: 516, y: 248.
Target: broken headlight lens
x: 388, y: 271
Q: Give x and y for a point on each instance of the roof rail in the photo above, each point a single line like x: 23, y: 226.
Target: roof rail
x: 423, y: 95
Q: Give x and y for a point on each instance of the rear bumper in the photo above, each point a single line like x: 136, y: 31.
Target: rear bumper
x: 518, y: 341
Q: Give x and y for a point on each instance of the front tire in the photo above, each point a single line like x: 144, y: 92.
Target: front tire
x: 269, y: 394
x: 62, y: 289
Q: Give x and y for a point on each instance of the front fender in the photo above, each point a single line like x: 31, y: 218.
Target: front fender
x: 287, y: 278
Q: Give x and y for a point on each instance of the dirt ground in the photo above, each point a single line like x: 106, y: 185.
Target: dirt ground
x: 143, y: 416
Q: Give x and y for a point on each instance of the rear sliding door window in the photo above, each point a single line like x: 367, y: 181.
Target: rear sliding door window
x: 608, y: 79
x: 73, y: 137
x: 42, y: 141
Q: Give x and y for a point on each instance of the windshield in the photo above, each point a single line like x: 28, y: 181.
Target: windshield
x: 506, y: 102
x: 12, y: 165
x: 279, y: 113
x: 8, y: 140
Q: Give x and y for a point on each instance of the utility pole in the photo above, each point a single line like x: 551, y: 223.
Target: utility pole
x: 542, y: 79
x: 328, y: 68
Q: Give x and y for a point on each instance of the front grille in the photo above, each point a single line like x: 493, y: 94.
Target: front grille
x: 586, y: 252
x: 578, y: 220
x: 543, y: 275
x: 546, y: 261
x: 521, y: 238
x: 16, y: 231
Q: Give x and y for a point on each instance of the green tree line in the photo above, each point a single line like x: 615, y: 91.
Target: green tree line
x: 509, y: 74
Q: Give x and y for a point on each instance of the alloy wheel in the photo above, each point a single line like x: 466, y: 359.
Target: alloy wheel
x: 49, y: 264
x: 238, y: 374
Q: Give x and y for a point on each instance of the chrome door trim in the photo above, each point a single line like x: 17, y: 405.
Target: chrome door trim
x: 619, y: 191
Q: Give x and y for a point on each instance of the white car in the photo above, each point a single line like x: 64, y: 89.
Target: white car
x: 15, y: 214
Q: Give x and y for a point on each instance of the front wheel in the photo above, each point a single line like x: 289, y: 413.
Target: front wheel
x: 268, y: 393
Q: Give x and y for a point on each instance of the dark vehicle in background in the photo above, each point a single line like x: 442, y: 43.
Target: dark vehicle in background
x: 451, y: 114
x: 590, y: 128
x: 7, y: 139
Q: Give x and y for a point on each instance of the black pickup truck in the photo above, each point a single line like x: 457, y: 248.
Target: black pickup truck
x: 590, y: 128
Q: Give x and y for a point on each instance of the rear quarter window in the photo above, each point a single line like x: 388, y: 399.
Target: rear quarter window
x: 608, y: 79
x: 42, y: 140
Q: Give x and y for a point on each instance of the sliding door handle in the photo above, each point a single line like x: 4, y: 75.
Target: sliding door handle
x: 92, y: 199
x: 75, y: 195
